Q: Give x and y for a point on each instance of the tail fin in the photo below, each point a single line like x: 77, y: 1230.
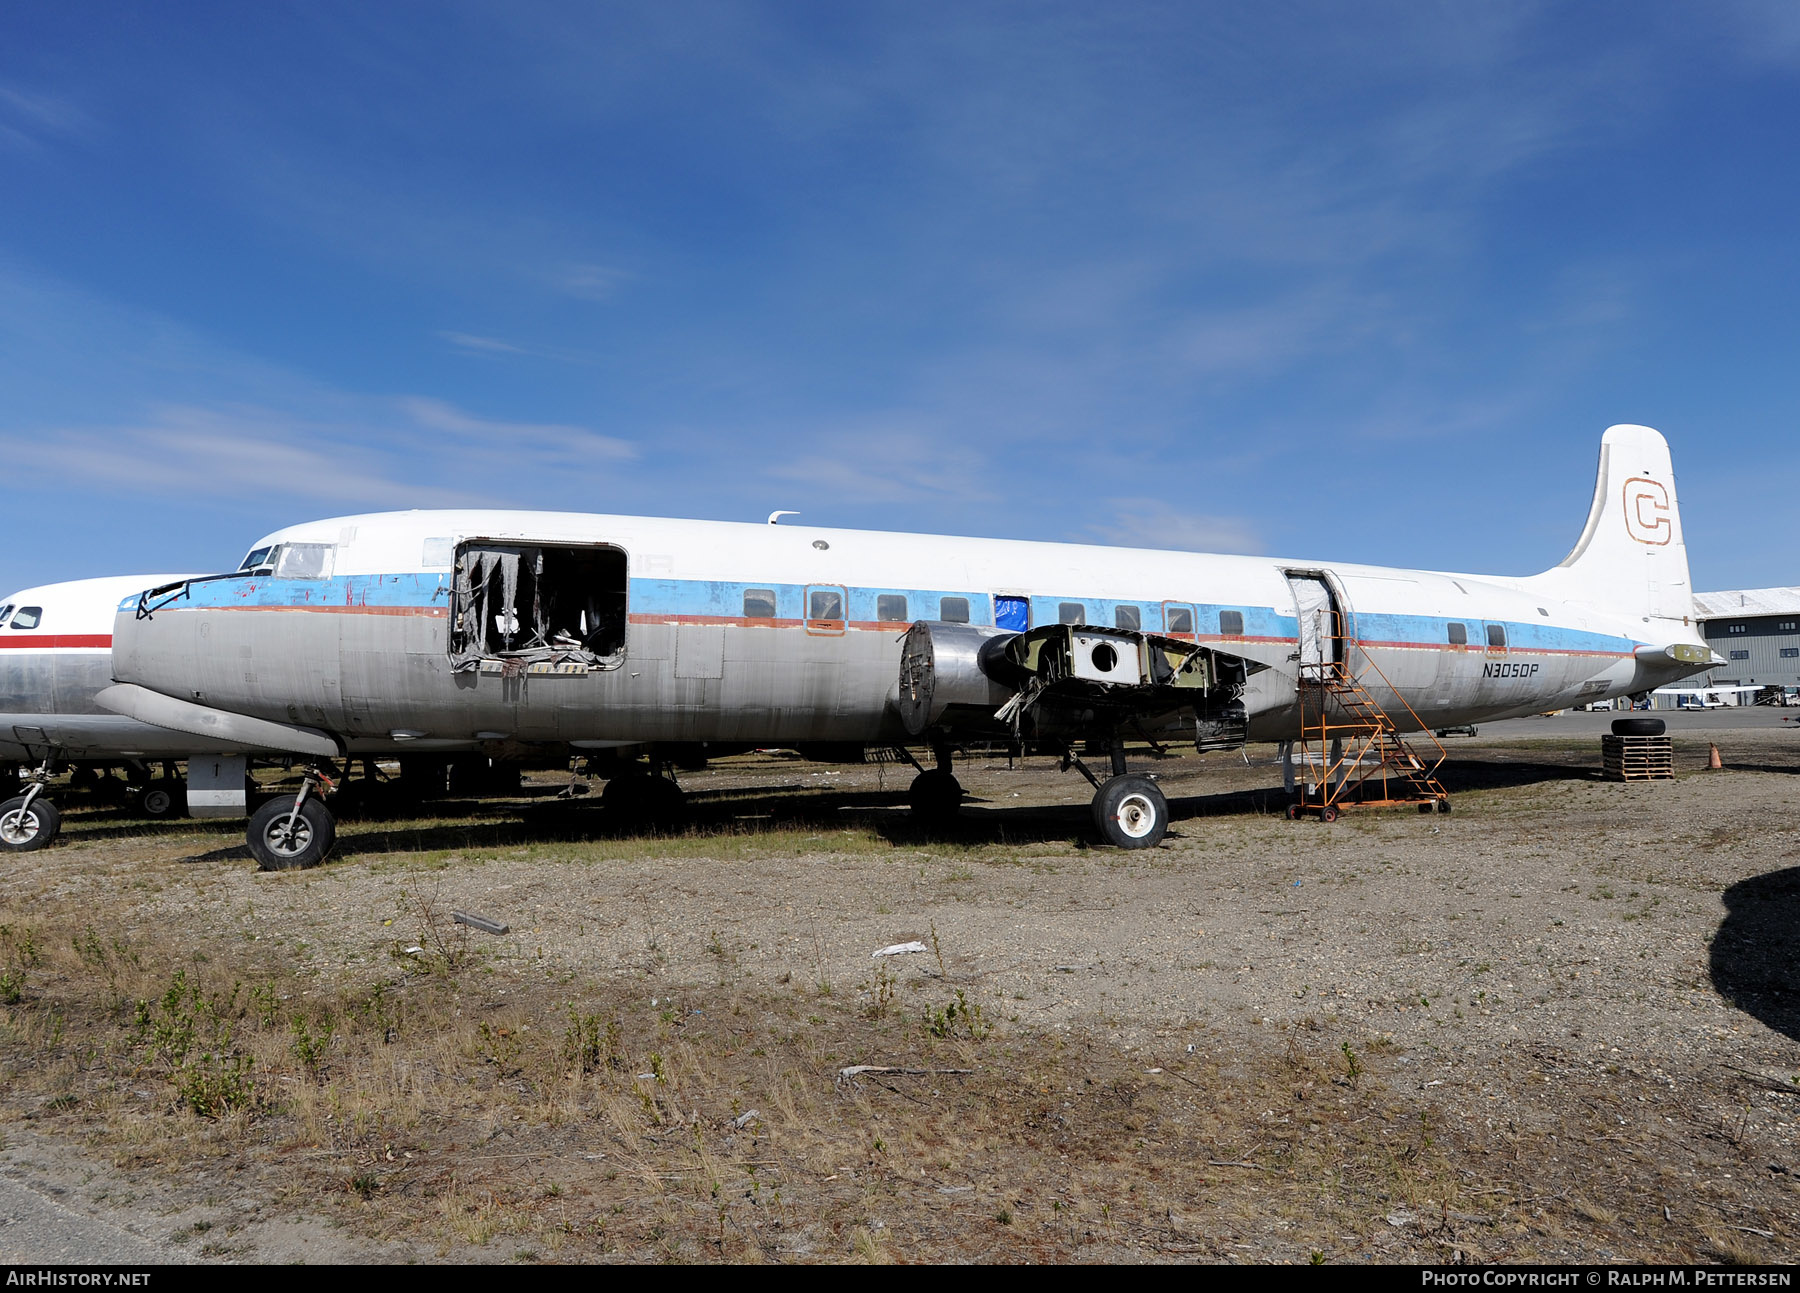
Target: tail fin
x: 1631, y: 560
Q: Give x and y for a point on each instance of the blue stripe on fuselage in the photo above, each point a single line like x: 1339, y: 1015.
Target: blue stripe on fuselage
x: 725, y: 599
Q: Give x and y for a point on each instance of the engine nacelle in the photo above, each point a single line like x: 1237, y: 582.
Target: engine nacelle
x: 943, y: 680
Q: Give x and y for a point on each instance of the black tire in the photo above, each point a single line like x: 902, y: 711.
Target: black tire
x: 1131, y: 812
x: 1639, y: 727
x: 162, y: 799
x: 1293, y: 812
x: 24, y: 829
x: 1443, y: 805
x: 935, y: 798
x: 277, y: 848
x: 642, y: 799
x: 1328, y: 813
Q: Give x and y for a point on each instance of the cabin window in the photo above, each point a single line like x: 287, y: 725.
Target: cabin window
x: 529, y: 604
x: 825, y: 604
x: 303, y: 561
x: 759, y: 603
x: 890, y: 607
x: 1497, y: 636
x: 1128, y: 617
x: 954, y: 610
x: 1071, y: 613
x: 1231, y: 623
x: 1178, y: 619
x: 28, y: 617
x: 1459, y: 634
x: 1735, y: 655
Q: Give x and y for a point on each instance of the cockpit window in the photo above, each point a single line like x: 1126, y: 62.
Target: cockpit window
x: 256, y: 560
x: 5, y: 612
x: 303, y: 560
x: 28, y: 617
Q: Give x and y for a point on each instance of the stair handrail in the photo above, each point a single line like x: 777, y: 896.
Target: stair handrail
x: 1423, y: 727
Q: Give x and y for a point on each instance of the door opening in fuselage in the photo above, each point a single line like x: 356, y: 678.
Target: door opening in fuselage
x: 538, y: 603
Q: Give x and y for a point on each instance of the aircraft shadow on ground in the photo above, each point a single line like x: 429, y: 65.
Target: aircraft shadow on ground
x: 469, y: 823
x: 1460, y: 776
x: 1756, y: 951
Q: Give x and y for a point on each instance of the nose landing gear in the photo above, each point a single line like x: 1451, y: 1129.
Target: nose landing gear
x: 30, y: 821
x: 289, y: 834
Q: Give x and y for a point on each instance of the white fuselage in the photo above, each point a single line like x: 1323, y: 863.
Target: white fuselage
x: 773, y: 634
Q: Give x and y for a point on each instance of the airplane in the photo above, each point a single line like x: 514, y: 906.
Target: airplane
x: 519, y: 630
x: 1708, y: 697
x: 55, y: 656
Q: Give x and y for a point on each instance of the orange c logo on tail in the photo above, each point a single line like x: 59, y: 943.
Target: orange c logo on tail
x: 1647, y: 511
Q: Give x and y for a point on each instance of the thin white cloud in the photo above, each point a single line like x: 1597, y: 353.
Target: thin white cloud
x: 185, y: 452
x: 1156, y: 523
x: 481, y: 345
x: 34, y: 115
x: 548, y: 442
x: 590, y: 282
x: 886, y: 464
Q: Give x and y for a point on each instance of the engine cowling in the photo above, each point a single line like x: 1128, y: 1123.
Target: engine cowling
x: 944, y: 679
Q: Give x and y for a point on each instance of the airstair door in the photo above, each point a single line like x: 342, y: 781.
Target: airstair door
x: 1318, y: 625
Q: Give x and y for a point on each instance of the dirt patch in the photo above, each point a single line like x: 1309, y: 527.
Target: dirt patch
x: 1558, y: 1024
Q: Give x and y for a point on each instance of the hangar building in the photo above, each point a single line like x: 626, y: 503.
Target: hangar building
x: 1757, y: 630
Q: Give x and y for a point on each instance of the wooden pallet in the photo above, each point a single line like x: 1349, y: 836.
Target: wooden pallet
x: 1638, y: 758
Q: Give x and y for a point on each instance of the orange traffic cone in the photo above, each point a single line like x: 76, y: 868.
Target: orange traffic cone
x: 1713, y: 763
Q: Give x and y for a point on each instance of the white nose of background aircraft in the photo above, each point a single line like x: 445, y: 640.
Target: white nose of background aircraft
x: 510, y: 630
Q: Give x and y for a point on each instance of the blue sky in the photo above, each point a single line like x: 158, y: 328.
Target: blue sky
x: 1355, y: 282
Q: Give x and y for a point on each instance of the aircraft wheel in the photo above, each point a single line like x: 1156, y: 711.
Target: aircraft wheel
x: 1639, y: 727
x: 162, y: 799
x: 278, y: 845
x: 1131, y: 812
x: 642, y: 799
x: 935, y: 797
x: 23, y: 829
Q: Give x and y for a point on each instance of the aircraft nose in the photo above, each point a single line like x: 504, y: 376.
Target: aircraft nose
x: 157, y: 650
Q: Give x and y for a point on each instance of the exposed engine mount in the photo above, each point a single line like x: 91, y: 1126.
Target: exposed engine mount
x: 1065, y: 681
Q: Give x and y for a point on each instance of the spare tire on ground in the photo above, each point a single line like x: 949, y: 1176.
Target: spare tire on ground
x: 1638, y: 727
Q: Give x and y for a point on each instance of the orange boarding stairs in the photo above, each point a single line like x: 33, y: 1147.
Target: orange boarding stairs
x: 1356, y: 748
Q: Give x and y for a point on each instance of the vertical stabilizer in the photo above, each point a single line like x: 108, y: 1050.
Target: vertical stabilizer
x: 1631, y: 560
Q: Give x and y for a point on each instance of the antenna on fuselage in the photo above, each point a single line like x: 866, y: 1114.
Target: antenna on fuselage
x: 775, y: 517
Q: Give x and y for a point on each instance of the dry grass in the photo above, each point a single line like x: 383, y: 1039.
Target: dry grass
x: 711, y: 1124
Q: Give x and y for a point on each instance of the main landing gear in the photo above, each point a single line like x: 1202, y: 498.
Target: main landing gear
x: 641, y: 797
x: 1130, y: 810
x: 30, y: 821
x: 935, y: 796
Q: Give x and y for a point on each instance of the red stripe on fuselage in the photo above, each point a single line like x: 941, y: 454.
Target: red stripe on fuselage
x: 55, y: 641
